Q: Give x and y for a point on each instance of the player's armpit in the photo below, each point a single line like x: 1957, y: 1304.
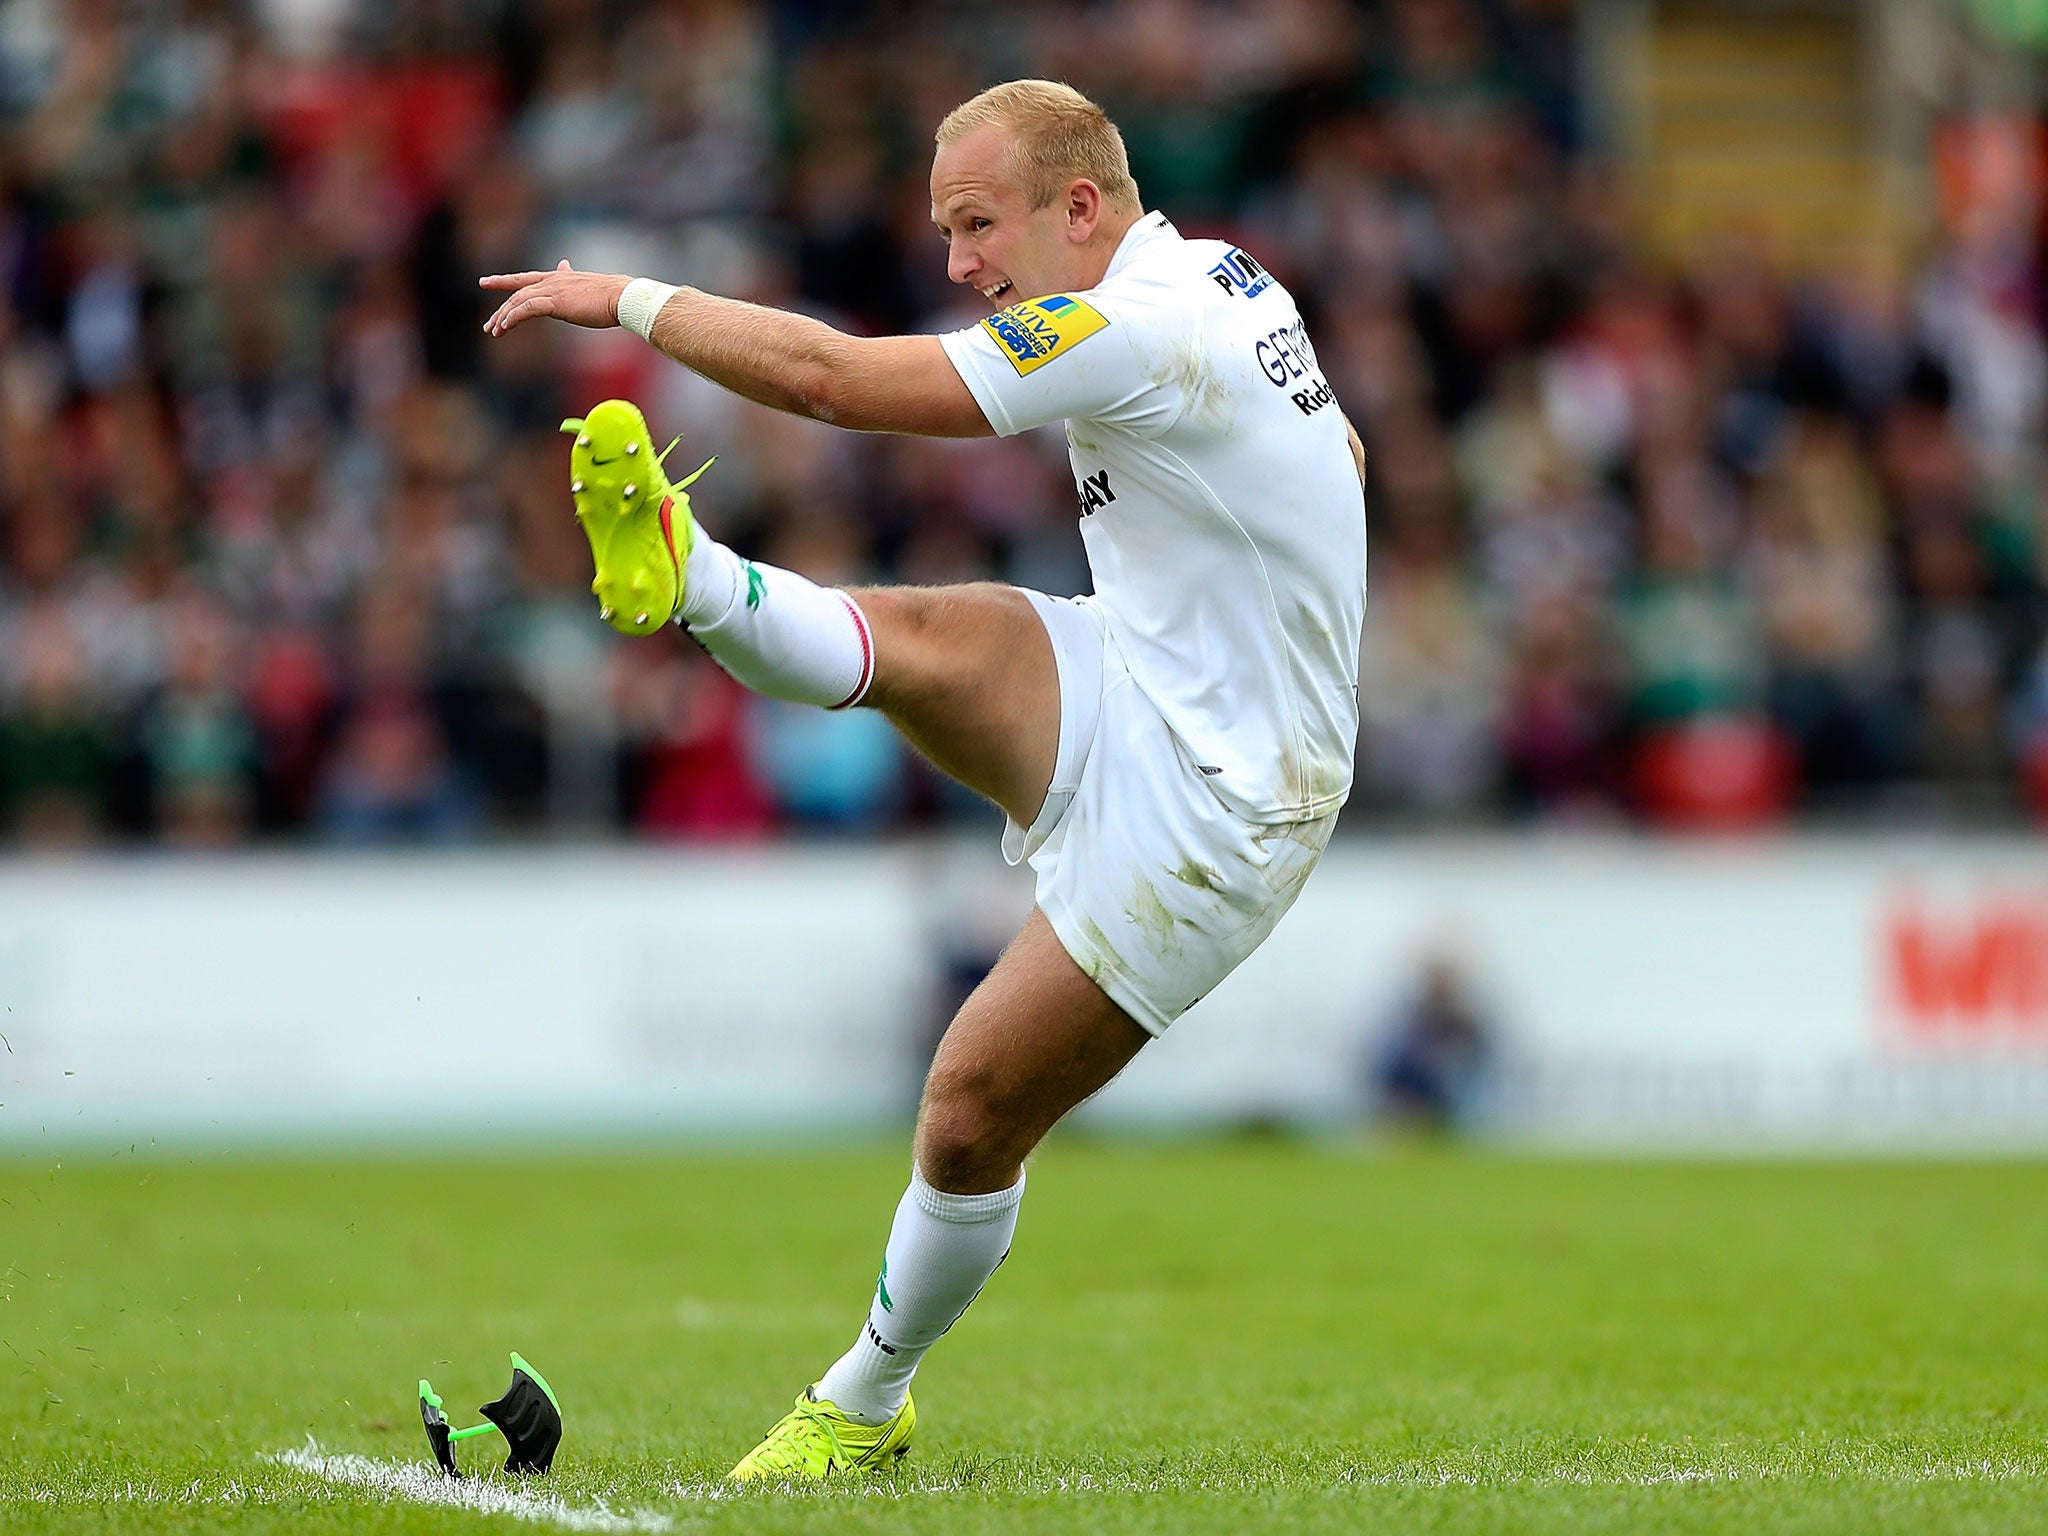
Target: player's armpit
x: 1357, y: 449
x: 897, y: 384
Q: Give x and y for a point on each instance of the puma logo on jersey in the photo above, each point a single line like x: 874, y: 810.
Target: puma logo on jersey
x: 1240, y: 273
x: 1095, y: 492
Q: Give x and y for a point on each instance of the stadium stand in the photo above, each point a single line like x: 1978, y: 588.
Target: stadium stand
x: 1739, y: 538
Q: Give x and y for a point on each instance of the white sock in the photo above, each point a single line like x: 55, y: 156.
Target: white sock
x: 776, y: 632
x: 941, y: 1252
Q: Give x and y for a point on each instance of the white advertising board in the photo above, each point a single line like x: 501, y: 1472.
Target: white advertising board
x: 1811, y: 993
x: 1643, y: 992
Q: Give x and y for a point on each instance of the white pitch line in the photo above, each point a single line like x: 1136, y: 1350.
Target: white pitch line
x: 421, y: 1485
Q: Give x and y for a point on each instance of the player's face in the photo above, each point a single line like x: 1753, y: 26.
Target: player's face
x: 997, y: 243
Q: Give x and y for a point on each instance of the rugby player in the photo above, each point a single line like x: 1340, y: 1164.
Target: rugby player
x: 1171, y: 752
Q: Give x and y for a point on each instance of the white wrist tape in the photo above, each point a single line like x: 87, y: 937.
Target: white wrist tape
x: 641, y: 302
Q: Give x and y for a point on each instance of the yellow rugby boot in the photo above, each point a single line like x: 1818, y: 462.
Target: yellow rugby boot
x: 815, y: 1440
x: 639, y: 525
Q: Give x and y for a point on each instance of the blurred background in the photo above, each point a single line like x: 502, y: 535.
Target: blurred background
x: 1697, y: 348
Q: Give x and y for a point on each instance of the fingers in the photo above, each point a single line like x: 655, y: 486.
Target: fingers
x: 505, y: 281
x: 518, y: 309
x: 533, y: 300
x: 564, y: 293
x: 496, y: 324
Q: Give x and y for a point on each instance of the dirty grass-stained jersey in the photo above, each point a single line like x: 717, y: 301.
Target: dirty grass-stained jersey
x: 1220, y: 506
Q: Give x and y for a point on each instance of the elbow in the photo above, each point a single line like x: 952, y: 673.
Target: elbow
x: 816, y: 394
x: 820, y: 389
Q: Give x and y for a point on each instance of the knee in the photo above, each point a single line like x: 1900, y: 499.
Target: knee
x: 930, y: 615
x: 910, y: 613
x: 909, y: 630
x: 968, y: 1140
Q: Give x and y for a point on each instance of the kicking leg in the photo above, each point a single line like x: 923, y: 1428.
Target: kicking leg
x: 966, y: 673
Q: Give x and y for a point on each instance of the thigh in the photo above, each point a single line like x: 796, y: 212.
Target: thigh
x: 967, y: 674
x: 1033, y: 1040
x: 1157, y: 889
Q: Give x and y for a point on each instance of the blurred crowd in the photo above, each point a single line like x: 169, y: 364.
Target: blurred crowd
x: 285, y: 548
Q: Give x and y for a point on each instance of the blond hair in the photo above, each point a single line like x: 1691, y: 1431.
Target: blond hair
x: 1056, y: 136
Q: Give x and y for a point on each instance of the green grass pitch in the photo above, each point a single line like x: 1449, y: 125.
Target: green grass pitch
x: 1188, y: 1338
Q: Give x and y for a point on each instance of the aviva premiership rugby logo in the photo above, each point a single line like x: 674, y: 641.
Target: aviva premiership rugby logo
x: 1031, y: 334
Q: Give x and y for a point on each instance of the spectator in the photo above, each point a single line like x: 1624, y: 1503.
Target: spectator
x: 198, y: 744
x: 1819, y: 572
x: 1429, y: 1073
x: 392, y: 776
x: 54, y: 754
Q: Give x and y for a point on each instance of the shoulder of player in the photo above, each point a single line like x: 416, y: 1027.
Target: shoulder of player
x: 1145, y: 296
x: 1192, y: 276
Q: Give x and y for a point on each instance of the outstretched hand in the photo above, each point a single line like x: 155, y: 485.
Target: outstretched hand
x: 581, y: 298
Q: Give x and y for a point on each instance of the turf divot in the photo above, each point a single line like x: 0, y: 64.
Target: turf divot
x: 424, y: 1485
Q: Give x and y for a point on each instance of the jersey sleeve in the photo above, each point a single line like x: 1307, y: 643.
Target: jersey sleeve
x: 1065, y: 356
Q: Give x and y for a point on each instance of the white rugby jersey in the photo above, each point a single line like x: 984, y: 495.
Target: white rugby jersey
x: 1220, y: 506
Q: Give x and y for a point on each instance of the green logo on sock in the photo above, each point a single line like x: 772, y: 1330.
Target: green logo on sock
x: 882, y: 1289
x: 756, y: 585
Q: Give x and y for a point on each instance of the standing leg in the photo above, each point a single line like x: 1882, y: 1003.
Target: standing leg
x: 1036, y: 1038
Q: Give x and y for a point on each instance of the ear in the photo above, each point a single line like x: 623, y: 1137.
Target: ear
x: 1084, y: 210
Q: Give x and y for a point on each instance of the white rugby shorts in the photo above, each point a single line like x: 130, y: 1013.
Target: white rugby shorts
x: 1156, y: 888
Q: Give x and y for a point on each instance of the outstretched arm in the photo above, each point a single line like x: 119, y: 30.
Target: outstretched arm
x: 784, y: 360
